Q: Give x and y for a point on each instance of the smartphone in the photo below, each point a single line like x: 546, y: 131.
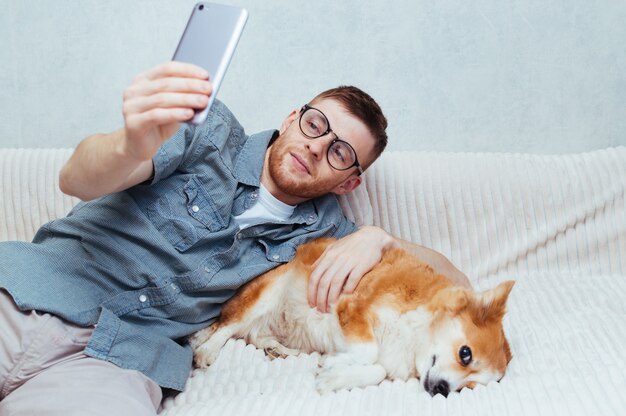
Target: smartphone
x: 209, y: 41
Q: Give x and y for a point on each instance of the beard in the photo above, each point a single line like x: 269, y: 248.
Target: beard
x: 295, y: 183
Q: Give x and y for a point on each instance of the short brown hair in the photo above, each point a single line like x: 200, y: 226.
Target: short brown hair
x: 362, y: 106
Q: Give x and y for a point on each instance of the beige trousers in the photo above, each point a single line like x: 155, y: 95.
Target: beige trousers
x: 43, y: 371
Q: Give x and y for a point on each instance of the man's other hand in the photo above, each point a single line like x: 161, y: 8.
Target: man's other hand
x: 343, y: 264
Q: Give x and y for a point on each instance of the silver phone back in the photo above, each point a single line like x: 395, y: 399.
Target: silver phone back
x: 209, y: 41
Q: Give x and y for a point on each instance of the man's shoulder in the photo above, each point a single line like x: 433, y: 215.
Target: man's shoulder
x: 220, y: 125
x: 221, y: 112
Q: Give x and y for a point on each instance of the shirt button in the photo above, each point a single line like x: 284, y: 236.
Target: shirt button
x: 206, y: 269
x: 253, y: 195
x: 275, y: 256
x: 143, y: 298
x: 311, y: 217
x: 239, y: 236
x: 173, y: 286
x: 195, y: 208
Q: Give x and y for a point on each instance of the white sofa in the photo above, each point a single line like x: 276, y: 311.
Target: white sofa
x: 554, y: 223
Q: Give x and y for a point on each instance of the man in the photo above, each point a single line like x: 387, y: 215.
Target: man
x: 95, y: 312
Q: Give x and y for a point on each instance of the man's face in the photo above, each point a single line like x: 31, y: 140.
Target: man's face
x: 297, y: 168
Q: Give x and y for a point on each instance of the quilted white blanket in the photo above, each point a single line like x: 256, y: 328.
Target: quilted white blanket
x: 556, y: 224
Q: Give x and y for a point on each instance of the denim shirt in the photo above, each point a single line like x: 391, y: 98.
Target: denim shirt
x: 150, y: 265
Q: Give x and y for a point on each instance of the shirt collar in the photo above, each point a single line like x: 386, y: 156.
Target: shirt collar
x: 249, y: 165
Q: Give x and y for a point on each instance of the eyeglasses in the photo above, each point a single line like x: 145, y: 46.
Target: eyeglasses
x: 340, y: 154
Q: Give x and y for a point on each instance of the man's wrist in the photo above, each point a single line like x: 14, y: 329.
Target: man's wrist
x: 123, y: 149
x: 388, y: 241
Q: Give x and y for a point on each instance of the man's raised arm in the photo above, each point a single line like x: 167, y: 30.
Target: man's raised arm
x: 154, y: 105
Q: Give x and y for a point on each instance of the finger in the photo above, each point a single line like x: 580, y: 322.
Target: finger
x: 327, y: 280
x: 315, y: 291
x: 322, y: 293
x: 319, y: 268
x: 164, y: 100
x: 329, y: 256
x: 354, y: 279
x: 175, y: 69
x: 335, y: 289
x: 314, y: 281
x: 338, y: 282
x: 311, y: 291
x: 169, y: 84
x: 321, y: 258
x: 156, y: 117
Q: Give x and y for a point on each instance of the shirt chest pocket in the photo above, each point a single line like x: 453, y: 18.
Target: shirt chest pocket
x: 187, y: 215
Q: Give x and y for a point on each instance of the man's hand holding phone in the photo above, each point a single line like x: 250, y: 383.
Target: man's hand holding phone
x: 179, y: 90
x: 157, y: 102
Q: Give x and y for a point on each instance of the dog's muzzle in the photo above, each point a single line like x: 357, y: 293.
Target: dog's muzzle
x: 440, y: 387
x: 434, y: 387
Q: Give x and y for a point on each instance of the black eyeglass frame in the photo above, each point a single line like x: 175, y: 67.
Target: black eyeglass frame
x: 356, y: 163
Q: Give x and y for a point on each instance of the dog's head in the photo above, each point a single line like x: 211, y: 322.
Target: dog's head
x: 468, y: 344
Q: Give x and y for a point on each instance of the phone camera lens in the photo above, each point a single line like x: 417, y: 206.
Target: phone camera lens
x: 201, y: 7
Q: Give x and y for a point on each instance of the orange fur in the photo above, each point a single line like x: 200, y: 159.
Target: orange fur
x: 237, y: 307
x: 399, y: 280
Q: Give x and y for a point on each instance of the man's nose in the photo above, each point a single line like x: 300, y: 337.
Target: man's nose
x: 318, y: 146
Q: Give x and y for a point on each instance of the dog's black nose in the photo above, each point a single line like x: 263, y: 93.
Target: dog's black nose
x: 441, y: 387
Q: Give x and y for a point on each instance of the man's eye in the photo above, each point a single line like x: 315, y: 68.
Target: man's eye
x: 465, y: 354
x: 314, y: 127
x: 338, y: 152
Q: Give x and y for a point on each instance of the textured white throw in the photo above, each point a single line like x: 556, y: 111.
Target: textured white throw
x: 554, y: 223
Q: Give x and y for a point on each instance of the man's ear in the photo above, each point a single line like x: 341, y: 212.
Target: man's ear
x: 348, y: 185
x: 290, y: 119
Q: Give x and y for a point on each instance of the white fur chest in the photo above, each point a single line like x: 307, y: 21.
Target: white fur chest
x: 297, y: 325
x: 403, y: 340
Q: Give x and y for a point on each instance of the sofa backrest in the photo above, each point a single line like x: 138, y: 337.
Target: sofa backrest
x: 490, y: 213
x: 29, y: 191
x: 494, y: 213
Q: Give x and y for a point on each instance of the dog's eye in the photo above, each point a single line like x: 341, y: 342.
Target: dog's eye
x: 465, y: 354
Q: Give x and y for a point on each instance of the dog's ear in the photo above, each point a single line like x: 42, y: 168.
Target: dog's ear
x: 491, y: 304
x: 451, y: 299
x: 507, y: 349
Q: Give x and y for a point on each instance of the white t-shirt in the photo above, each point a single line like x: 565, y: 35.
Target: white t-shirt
x: 266, y: 209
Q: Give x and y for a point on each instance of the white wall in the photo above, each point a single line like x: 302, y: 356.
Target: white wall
x: 540, y: 76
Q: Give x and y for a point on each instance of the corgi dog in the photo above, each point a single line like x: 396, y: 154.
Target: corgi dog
x: 403, y: 320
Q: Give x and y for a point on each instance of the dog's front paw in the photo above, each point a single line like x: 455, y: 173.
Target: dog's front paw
x: 200, y: 337
x: 206, y: 344
x: 341, y: 375
x: 334, y: 378
x: 204, y: 356
x: 336, y: 360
